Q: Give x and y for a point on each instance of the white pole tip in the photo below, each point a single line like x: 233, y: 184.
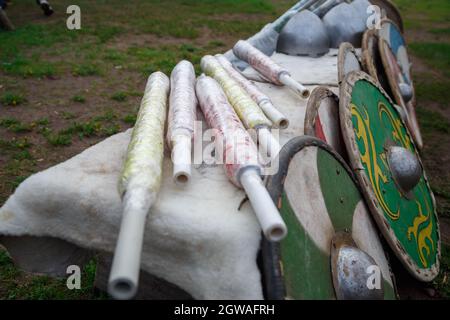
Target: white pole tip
x: 276, y: 233
x: 122, y: 289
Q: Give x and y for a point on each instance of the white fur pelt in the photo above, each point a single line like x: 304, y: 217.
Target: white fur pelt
x: 195, y: 236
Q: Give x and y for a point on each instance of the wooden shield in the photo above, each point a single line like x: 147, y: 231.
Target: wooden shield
x: 369, y: 52
x: 317, y: 196
x: 322, y: 119
x: 371, y: 124
x: 389, y: 10
x: 390, y: 32
x: 371, y: 59
x: 396, y: 65
x: 347, y: 60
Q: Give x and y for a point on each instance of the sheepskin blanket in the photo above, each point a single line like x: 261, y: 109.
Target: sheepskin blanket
x: 199, y: 237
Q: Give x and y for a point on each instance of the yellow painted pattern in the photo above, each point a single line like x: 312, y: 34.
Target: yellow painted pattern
x: 423, y: 235
x: 404, y: 140
x: 370, y: 160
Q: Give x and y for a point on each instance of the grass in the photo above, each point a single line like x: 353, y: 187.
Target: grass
x: 27, y: 68
x: 212, y: 7
x: 440, y: 31
x: 235, y: 26
x: 216, y: 44
x: 58, y: 139
x: 431, y: 121
x: 23, y: 155
x: 34, y: 35
x: 419, y: 13
x: 443, y: 280
x: 185, y: 21
x: 433, y: 90
x: 79, y: 98
x: 8, y: 122
x: 16, y: 126
x: 170, y: 27
x: 19, y: 162
x: 15, y: 144
x: 15, y: 284
x: 119, y: 96
x: 86, y: 69
x: 12, y: 99
x: 42, y: 121
x: 103, y: 125
x: 130, y: 119
x: 68, y: 115
x: 436, y: 55
x: 114, y: 55
x: 164, y: 58
x: 105, y: 33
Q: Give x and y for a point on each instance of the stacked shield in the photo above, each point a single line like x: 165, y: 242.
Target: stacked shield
x: 352, y: 190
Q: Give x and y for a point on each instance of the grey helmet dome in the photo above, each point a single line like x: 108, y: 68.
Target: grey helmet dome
x: 361, y: 8
x: 344, y: 24
x: 304, y: 35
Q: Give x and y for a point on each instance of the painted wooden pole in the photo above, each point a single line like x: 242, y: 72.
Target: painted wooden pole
x: 247, y: 109
x: 183, y: 103
x: 139, y: 185
x: 267, y: 67
x: 240, y: 156
x: 278, y: 119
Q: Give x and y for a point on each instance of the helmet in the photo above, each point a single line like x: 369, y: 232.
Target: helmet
x: 344, y: 24
x: 304, y: 35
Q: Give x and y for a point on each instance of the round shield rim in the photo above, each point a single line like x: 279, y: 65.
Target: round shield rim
x: 272, y: 270
x: 312, y: 107
x: 413, y: 101
x: 367, y: 59
x: 390, y: 74
x: 343, y: 49
x: 384, y: 21
x: 393, y: 9
x: 346, y: 88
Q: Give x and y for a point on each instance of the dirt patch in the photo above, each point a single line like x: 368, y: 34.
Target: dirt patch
x: 125, y: 41
x: 421, y: 35
x: 444, y: 225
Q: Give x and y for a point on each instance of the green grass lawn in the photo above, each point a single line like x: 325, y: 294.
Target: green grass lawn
x: 63, y: 90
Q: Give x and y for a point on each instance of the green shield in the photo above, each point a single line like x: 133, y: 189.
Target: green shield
x: 371, y: 124
x: 317, y: 196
